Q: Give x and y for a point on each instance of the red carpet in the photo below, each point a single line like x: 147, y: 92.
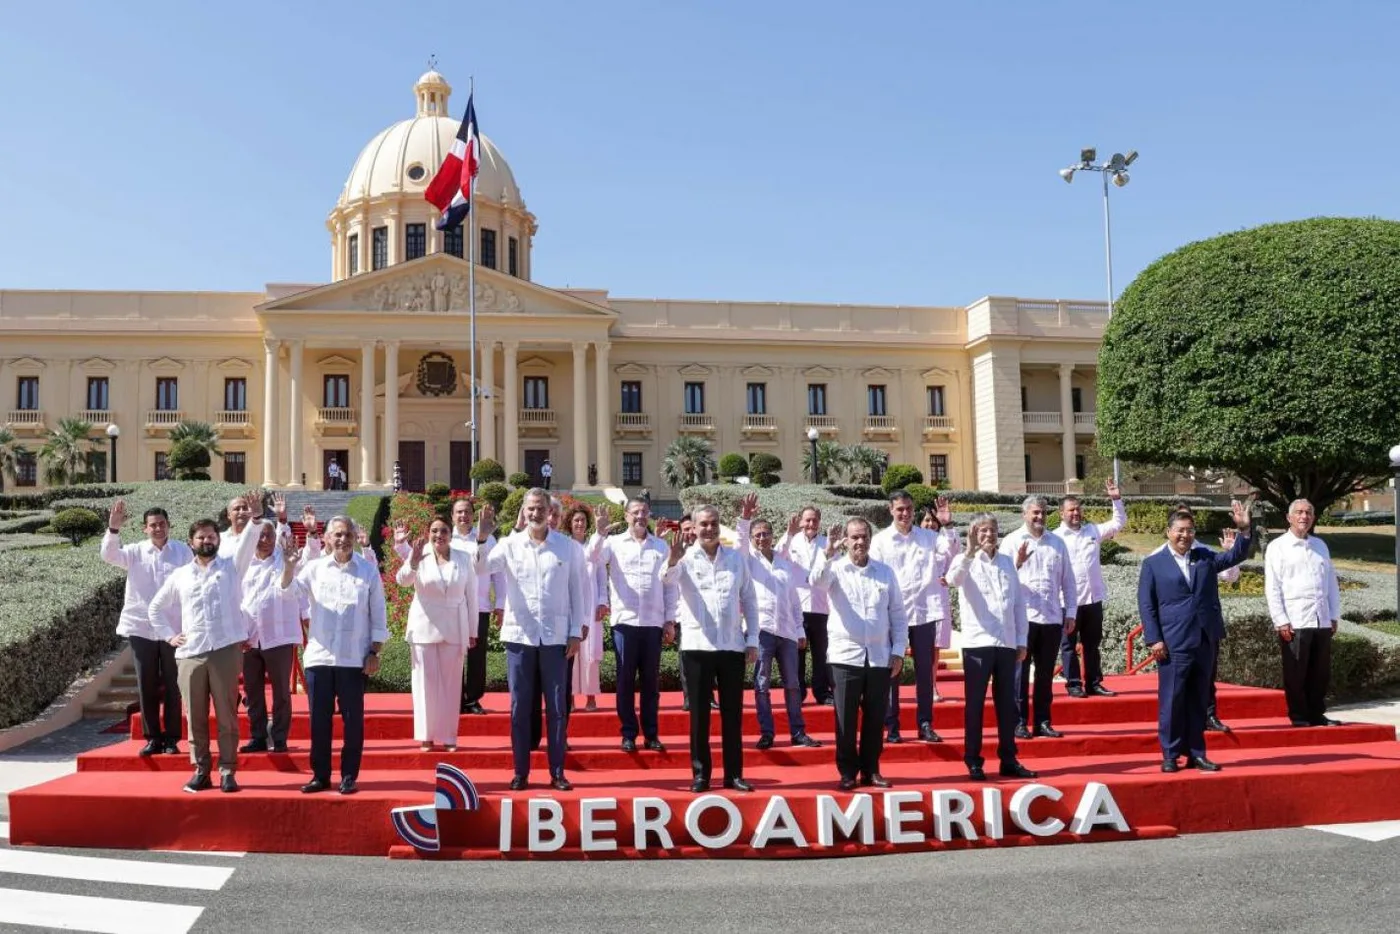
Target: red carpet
x: 1275, y: 775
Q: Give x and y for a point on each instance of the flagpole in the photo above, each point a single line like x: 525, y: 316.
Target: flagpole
x: 471, y: 306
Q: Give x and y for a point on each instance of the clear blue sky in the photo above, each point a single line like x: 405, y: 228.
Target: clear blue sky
x: 805, y: 151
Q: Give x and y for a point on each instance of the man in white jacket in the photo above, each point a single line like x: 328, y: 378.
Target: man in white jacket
x: 1082, y: 539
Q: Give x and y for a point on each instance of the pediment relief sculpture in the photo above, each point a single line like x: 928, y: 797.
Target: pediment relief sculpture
x: 435, y: 292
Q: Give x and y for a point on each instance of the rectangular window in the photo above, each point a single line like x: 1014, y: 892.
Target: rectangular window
x: 1079, y: 466
x: 513, y: 256
x: 695, y: 398
x: 97, y: 466
x: 937, y: 468
x: 235, y: 467
x: 379, y: 248
x: 415, y: 243
x: 168, y: 393
x: 452, y: 241
x: 488, y: 248
x: 236, y: 394
x: 98, y: 395
x: 632, y: 397
x: 352, y: 254
x: 28, y: 394
x: 1076, y: 400
x: 26, y: 469
x: 537, y: 392
x: 816, y: 398
x: 336, y: 391
x: 935, y: 400
x: 632, y: 468
x: 758, y: 398
x: 162, y: 472
x: 875, y: 400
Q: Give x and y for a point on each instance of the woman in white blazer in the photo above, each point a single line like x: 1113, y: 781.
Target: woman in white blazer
x: 439, y: 631
x: 590, y: 650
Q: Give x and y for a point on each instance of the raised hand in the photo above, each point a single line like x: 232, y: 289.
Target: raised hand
x: 1112, y: 490
x: 415, y: 555
x: 362, y: 537
x: 673, y: 538
x: 279, y: 506
x: 1227, y: 539
x: 1240, y: 513
x: 835, y: 540
x: 117, y: 517
x: 794, y: 525
x: 401, y: 535
x: 486, y: 523
x: 1023, y: 552
x: 748, y: 506
x: 308, y: 519
x: 944, y: 512
x: 254, y: 500
x: 601, y: 519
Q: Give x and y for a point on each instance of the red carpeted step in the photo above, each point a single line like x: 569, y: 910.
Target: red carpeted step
x: 595, y: 753
x: 1273, y: 787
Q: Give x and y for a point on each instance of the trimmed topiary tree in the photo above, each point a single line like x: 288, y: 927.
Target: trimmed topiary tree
x: 1269, y: 353
x: 764, y: 468
x: 188, y: 460
x: 733, y: 465
x: 487, y: 470
x: 494, y: 493
x: 77, y: 524
x: 520, y: 480
x: 899, y: 476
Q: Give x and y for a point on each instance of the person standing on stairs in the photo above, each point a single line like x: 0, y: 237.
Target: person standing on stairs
x: 1082, y: 540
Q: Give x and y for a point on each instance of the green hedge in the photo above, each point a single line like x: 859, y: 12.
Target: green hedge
x: 371, y: 512
x: 60, y: 607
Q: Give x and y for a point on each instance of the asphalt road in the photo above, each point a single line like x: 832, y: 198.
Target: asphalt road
x: 1290, y: 880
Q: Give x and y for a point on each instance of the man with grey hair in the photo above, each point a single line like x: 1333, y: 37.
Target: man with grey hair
x: 1048, y: 586
x: 1305, y: 602
x: 1082, y: 539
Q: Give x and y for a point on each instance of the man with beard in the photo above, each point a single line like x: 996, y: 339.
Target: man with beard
x: 199, y: 610
x: 239, y: 512
x: 1082, y: 540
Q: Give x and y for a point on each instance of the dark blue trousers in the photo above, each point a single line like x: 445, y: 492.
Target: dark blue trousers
x: 325, y: 687
x: 638, y: 659
x: 922, y: 642
x: 1183, y: 693
x: 526, y: 667
x: 997, y: 665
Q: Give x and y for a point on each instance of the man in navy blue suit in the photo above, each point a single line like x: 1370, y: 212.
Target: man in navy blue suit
x: 1181, y: 620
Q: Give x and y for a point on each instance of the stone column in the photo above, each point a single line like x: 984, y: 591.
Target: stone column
x: 604, y: 387
x: 998, y: 427
x: 1067, y: 422
x: 579, y: 408
x: 366, y: 234
x: 271, y: 349
x: 367, y: 467
x: 486, y: 404
x: 295, y: 412
x: 395, y: 238
x: 391, y: 409
x: 511, y: 461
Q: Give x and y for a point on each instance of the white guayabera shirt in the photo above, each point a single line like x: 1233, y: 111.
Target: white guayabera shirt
x: 147, y: 568
x: 205, y: 602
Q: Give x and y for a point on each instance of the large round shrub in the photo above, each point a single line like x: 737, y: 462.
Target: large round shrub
x: 520, y: 480
x: 898, y: 476
x: 487, y: 470
x: 1269, y: 353
x: 733, y: 465
x: 764, y: 468
x: 494, y: 493
x: 77, y: 524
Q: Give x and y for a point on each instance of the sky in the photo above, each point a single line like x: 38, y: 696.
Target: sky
x: 813, y: 151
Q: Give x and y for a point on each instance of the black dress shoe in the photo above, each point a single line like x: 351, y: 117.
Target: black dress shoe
x: 254, y: 745
x: 279, y: 747
x: 877, y: 780
x: 1045, y: 729
x: 737, y: 784
x: 1213, y: 723
x: 1204, y: 764
x: 315, y: 786
x: 893, y: 738
x: 560, y: 783
x: 629, y: 745
x: 655, y: 745
x: 802, y: 739
x: 1015, y: 770
x: 1099, y: 690
x: 847, y: 784
x: 765, y: 741
x: 829, y: 701
x: 151, y: 748
x: 927, y: 735
x: 348, y: 786
x: 700, y: 785
x: 228, y: 784
x: 474, y: 708
x: 172, y: 748
x: 519, y: 783
x: 685, y: 705
x: 1326, y: 721
x: 1075, y: 690
x: 977, y: 773
x: 1022, y: 732
x: 1169, y: 765
x: 198, y: 782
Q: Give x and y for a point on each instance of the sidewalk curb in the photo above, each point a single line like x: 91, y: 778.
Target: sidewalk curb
x: 67, y: 708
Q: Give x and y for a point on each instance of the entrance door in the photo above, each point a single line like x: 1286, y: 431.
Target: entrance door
x: 342, y: 463
x: 460, y: 469
x: 533, y: 460
x: 412, y: 461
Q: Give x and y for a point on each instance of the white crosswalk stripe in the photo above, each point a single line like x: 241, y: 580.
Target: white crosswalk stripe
x: 105, y: 915
x: 1370, y: 831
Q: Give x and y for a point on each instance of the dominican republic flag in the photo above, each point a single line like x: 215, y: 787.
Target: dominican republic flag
x: 451, y: 188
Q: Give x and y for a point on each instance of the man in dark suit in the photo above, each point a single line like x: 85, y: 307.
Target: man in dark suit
x: 1181, y: 620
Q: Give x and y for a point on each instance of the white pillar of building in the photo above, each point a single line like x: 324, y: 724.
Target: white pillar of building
x: 604, y: 387
x: 486, y: 403
x: 391, y: 408
x: 511, y: 460
x: 295, y: 438
x: 366, y: 421
x: 580, y: 406
x: 271, y: 349
x: 1067, y: 422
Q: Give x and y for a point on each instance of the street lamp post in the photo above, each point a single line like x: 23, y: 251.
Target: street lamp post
x: 113, y: 432
x: 812, y: 436
x: 1395, y: 467
x: 1116, y: 169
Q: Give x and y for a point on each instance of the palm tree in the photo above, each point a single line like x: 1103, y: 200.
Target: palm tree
x: 10, y: 454
x: 65, y: 452
x: 833, y: 461
x: 864, y: 463
x: 688, y: 461
x: 202, y: 433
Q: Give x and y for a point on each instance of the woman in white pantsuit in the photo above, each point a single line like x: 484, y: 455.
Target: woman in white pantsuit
x: 590, y: 650
x: 439, y: 631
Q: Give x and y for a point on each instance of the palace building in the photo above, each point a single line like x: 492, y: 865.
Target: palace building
x: 372, y: 368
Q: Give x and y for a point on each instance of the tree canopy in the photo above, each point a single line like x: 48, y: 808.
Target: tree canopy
x: 1273, y: 353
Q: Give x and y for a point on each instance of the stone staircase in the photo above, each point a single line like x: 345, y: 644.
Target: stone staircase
x: 326, y: 503
x: 120, y: 698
